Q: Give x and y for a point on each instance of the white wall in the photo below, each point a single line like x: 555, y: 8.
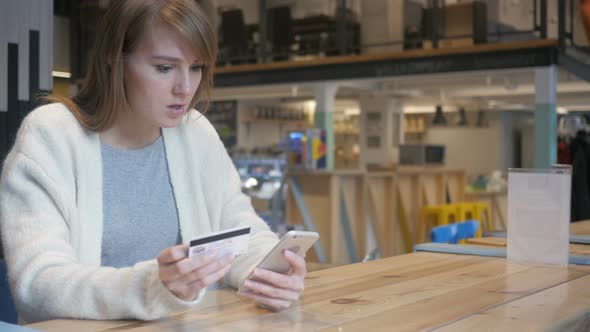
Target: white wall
x: 382, y: 21
x: 482, y: 150
x: 259, y: 134
x: 472, y: 149
x: 386, y: 125
x: 517, y: 14
x: 299, y: 8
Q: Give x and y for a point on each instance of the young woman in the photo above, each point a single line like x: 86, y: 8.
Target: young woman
x: 99, y: 192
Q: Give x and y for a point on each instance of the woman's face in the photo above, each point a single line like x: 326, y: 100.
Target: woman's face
x: 161, y: 77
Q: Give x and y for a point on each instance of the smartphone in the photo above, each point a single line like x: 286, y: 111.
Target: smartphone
x: 296, y: 241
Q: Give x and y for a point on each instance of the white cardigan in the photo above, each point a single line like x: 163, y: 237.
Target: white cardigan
x: 51, y: 217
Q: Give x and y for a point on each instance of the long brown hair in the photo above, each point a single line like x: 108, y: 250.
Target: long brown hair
x: 102, y: 93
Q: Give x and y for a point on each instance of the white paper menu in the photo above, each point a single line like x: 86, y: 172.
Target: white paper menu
x: 539, y: 215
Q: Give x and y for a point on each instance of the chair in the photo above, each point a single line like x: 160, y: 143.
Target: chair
x: 234, y: 36
x: 477, y: 211
x: 280, y: 31
x: 444, y: 234
x: 453, y: 233
x: 466, y: 211
x: 443, y: 214
x: 483, y: 209
x: 7, y: 310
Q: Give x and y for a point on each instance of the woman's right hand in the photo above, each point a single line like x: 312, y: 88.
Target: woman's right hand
x: 185, y: 276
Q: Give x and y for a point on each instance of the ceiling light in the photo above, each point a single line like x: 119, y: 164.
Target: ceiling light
x: 61, y: 74
x: 310, y: 105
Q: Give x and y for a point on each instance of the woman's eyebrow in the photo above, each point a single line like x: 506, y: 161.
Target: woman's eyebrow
x: 171, y: 58
x: 166, y: 58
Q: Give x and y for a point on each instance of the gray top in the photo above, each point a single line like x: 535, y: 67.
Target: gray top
x: 139, y: 209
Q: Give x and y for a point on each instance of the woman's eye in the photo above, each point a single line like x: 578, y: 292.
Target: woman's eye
x: 197, y: 67
x: 164, y: 68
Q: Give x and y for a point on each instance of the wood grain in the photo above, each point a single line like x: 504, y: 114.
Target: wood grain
x: 580, y: 228
x: 536, y: 312
x: 418, y: 291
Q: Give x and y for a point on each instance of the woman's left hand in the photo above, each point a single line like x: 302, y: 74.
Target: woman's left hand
x: 273, y: 290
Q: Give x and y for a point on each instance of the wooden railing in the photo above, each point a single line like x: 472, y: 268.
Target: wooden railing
x: 345, y: 206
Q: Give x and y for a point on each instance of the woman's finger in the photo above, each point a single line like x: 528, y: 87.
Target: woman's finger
x: 270, y: 303
x: 186, y: 266
x: 297, y: 263
x: 211, y: 272
x: 172, y: 254
x: 270, y: 291
x: 293, y: 282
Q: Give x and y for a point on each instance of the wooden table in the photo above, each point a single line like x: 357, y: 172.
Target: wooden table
x: 576, y: 249
x: 580, y: 228
x: 564, y: 305
x: 413, y: 292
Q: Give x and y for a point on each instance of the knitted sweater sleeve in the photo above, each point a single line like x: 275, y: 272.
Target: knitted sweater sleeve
x: 47, y: 279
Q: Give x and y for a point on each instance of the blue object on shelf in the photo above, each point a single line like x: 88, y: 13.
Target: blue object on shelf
x: 444, y: 234
x: 467, y: 229
x: 452, y: 233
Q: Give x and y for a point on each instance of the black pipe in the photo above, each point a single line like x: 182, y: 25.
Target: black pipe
x: 543, y: 6
x: 435, y: 18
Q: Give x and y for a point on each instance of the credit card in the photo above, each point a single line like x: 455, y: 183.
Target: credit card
x: 228, y: 241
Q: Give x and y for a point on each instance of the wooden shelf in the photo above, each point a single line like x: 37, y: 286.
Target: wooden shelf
x: 298, y: 124
x: 415, y: 132
x: 279, y: 122
x: 346, y: 133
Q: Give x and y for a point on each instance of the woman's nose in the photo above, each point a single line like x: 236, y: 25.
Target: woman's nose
x: 183, y: 84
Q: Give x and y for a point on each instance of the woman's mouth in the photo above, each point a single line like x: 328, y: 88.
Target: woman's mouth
x: 176, y: 109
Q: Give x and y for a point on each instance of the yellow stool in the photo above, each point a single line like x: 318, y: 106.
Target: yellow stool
x: 482, y: 208
x: 444, y: 214
x: 479, y: 211
x: 467, y: 211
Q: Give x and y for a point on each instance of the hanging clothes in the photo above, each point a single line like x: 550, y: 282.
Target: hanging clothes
x: 564, y: 155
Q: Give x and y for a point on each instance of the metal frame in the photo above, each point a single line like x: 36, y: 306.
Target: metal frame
x: 578, y: 65
x: 566, y: 26
x: 542, y: 28
x: 504, y: 59
x: 345, y: 223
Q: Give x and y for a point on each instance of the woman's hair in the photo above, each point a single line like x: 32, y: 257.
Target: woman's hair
x: 102, y: 93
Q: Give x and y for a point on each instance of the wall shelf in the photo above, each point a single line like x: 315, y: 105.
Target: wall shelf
x: 299, y: 124
x: 302, y: 123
